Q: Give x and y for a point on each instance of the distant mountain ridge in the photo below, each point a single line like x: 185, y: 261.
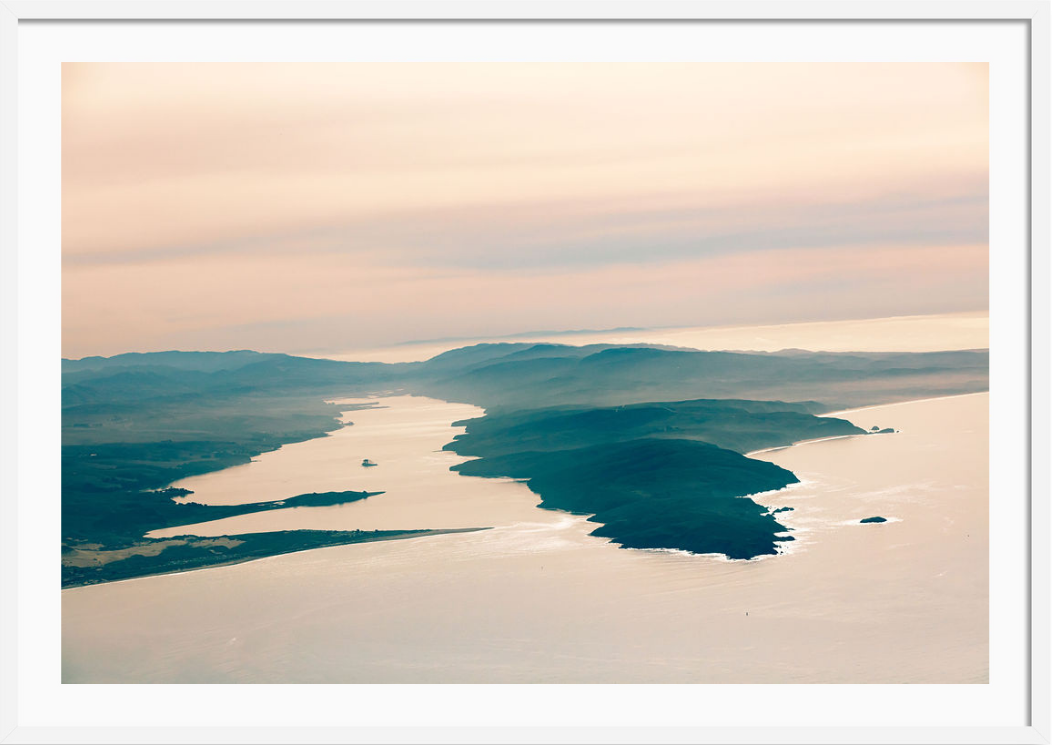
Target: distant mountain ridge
x: 200, y: 361
x: 512, y: 375
x: 549, y: 374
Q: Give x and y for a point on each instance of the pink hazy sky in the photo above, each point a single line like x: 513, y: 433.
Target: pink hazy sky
x: 324, y: 207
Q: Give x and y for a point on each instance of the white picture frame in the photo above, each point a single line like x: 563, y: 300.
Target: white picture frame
x: 15, y: 370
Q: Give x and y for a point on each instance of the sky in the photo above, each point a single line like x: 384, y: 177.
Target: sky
x: 314, y: 208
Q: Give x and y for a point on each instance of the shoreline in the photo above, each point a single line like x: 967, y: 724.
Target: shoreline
x: 801, y: 442
x: 783, y: 548
x: 860, y: 408
x: 797, y: 545
x: 901, y: 403
x: 902, y: 602
x: 792, y: 546
x: 246, y: 560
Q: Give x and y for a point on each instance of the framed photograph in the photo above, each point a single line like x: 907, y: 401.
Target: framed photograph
x: 525, y: 372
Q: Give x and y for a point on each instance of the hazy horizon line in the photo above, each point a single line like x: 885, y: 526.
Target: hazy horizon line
x: 320, y: 354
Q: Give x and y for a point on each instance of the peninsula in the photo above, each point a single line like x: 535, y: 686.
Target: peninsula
x: 664, y: 475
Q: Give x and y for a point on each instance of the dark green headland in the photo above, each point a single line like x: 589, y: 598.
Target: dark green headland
x: 665, y: 475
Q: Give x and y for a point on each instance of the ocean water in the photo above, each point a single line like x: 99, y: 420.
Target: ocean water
x: 536, y: 599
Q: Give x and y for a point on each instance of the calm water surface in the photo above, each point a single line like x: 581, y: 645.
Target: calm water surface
x: 538, y: 600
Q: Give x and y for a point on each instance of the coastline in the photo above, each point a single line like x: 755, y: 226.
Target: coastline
x: 852, y: 411
x: 903, y: 403
x: 425, y: 533
x: 798, y: 519
x: 537, y: 598
x: 769, y: 501
x: 802, y: 442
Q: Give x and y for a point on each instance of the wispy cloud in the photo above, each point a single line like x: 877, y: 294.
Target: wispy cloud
x: 198, y: 198
x: 550, y: 234
x: 333, y: 302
